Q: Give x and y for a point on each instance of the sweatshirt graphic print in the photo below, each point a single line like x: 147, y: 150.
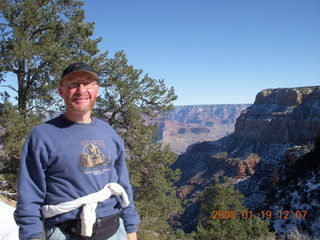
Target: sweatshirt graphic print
x: 95, y: 157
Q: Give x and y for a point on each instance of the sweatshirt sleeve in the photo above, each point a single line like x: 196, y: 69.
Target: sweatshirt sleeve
x: 31, y: 190
x: 129, y: 215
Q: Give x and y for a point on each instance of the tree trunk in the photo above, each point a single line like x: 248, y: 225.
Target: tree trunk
x: 22, y: 98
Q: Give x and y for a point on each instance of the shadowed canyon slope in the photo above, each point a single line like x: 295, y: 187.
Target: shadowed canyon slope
x: 267, y: 136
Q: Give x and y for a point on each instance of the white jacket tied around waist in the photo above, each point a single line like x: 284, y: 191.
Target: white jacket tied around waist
x: 89, y: 203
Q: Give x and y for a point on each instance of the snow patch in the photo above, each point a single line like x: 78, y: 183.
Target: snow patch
x: 8, y: 229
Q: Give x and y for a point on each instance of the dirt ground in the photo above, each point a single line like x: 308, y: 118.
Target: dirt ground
x: 8, y: 201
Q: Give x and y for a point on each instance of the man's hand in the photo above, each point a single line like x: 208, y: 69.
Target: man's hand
x: 132, y: 236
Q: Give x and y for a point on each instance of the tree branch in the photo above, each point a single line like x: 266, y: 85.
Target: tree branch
x: 45, y: 109
x: 8, y: 193
x: 39, y: 30
x: 9, y: 86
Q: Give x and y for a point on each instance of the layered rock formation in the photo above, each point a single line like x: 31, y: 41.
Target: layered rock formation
x: 281, y: 115
x: 186, y: 125
x: 278, y: 120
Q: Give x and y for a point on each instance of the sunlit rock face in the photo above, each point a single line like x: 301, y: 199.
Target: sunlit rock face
x: 282, y: 116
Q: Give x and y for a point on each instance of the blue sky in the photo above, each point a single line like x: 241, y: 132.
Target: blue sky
x: 214, y: 51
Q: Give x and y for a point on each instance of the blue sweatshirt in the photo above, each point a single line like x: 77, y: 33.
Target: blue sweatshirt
x: 62, y: 161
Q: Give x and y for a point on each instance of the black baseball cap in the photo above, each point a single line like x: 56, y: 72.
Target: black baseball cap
x: 79, y: 67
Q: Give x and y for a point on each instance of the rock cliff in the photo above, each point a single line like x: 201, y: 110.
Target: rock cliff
x: 295, y: 198
x: 279, y: 120
x: 281, y: 115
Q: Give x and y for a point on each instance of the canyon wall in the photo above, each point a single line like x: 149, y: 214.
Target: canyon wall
x: 186, y: 125
x: 281, y: 115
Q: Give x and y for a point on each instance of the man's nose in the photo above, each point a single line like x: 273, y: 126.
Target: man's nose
x: 81, y: 88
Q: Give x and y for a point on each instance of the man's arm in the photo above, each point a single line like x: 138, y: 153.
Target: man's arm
x: 31, y: 191
x: 132, y: 236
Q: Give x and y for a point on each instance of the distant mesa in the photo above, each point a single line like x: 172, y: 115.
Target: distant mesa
x: 187, y: 125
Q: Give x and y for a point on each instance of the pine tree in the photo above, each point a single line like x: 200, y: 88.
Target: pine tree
x: 224, y: 217
x: 156, y: 200
x: 37, y: 40
x: 127, y: 96
x: 130, y: 103
x: 16, y: 130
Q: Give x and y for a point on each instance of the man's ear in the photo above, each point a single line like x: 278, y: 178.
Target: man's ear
x: 96, y: 93
x: 60, y: 91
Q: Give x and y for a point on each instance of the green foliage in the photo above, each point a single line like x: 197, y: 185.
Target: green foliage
x: 131, y: 103
x: 16, y: 129
x: 223, y: 197
x: 126, y: 94
x: 155, y: 194
x: 38, y: 39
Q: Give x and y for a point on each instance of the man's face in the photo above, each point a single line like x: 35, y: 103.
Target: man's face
x: 79, y: 91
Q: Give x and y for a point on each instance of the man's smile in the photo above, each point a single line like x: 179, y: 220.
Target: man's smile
x: 80, y: 100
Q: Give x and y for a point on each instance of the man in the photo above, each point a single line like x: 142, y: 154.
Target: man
x: 72, y: 174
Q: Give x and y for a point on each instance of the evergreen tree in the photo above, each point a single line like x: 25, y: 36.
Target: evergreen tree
x: 37, y: 40
x: 130, y: 103
x: 223, y: 216
x: 16, y: 130
x: 127, y: 96
x: 155, y: 195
